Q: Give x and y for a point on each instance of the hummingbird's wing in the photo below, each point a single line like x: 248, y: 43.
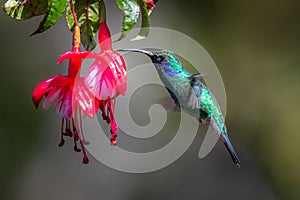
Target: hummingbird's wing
x: 169, y: 104
x: 174, y: 98
x: 195, y: 91
x: 196, y: 76
x: 194, y: 102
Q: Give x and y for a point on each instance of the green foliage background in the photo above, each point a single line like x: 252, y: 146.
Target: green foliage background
x: 256, y: 46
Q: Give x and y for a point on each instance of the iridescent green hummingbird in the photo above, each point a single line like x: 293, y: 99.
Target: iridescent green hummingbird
x: 189, y: 93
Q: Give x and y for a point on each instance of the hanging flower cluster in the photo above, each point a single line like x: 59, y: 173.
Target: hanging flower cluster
x: 106, y: 77
x: 72, y: 95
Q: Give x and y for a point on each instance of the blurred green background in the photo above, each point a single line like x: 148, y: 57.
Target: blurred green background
x: 256, y: 46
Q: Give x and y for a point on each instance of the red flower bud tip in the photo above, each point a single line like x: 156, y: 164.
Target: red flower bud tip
x: 113, y: 141
x: 61, y: 143
x: 150, y: 4
x: 76, y: 149
x: 85, y: 160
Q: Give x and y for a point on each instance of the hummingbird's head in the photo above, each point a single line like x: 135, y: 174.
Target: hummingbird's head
x: 163, y: 59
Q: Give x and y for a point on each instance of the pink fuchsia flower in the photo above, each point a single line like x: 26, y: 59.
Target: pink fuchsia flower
x: 107, y: 75
x: 107, y: 78
x: 70, y: 100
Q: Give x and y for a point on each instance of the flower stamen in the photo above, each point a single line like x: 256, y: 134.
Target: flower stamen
x: 105, y: 112
x: 68, y: 131
x: 76, y: 149
x: 77, y: 118
x: 80, y: 125
x: 62, y: 141
x: 113, y: 124
x: 85, y: 159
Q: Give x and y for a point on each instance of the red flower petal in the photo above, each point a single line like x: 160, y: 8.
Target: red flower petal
x: 120, y: 73
x: 104, y: 37
x: 52, y: 97
x: 60, y: 81
x: 60, y: 94
x: 41, y: 90
x: 109, y: 68
x: 76, y: 55
x: 64, y: 103
x: 86, y: 101
x: 100, y: 81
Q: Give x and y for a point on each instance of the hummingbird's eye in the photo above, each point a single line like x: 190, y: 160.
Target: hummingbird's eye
x: 160, y: 58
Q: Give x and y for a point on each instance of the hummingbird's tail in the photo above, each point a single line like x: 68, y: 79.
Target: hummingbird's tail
x: 231, y: 150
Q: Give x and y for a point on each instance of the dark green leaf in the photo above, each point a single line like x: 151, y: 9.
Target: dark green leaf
x: 26, y: 9
x: 131, y: 11
x: 55, y: 11
x: 88, y: 28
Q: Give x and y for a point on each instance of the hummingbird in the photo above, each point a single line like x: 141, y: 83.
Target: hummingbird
x: 189, y: 94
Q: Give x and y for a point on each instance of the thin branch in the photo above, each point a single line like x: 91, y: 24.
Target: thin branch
x: 73, y: 12
x: 102, y: 11
x: 87, y: 21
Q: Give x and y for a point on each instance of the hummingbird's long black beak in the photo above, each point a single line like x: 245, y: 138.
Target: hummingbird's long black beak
x: 148, y: 53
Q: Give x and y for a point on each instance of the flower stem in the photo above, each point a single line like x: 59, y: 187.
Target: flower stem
x: 73, y: 12
x: 87, y: 21
x: 102, y: 11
